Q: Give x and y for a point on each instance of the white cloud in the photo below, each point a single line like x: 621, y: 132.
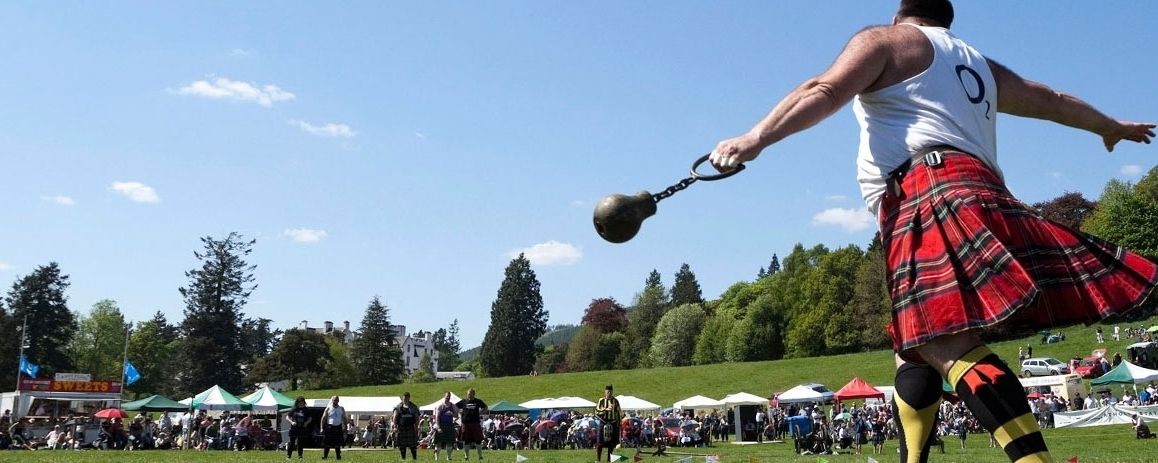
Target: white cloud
x: 849, y: 219
x: 225, y: 89
x: 136, y: 191
x: 1131, y: 170
x: 420, y: 135
x: 578, y: 203
x: 550, y: 253
x: 327, y: 130
x: 836, y: 197
x: 239, y: 52
x: 304, y: 235
x: 4, y: 267
x: 60, y: 200
x: 1056, y: 175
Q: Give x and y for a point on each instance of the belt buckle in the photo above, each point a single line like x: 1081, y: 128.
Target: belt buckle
x: 933, y: 158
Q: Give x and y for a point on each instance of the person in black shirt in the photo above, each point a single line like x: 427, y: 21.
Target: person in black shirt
x: 298, y: 420
x: 405, y: 423
x: 470, y: 412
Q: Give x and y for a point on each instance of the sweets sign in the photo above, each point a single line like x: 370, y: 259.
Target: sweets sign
x: 51, y: 385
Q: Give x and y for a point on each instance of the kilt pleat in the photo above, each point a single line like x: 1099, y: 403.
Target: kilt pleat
x: 963, y: 254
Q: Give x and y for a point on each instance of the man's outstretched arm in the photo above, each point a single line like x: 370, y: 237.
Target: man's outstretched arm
x: 855, y: 69
x: 1022, y: 97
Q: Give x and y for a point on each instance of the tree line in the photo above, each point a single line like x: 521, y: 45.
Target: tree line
x: 814, y: 301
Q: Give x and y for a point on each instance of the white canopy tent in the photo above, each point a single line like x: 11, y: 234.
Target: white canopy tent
x: 559, y: 403
x: 633, y: 403
x: 743, y: 398
x: 454, y: 398
x: 799, y: 394
x: 697, y: 401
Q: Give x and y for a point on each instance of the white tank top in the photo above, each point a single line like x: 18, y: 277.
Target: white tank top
x: 952, y: 102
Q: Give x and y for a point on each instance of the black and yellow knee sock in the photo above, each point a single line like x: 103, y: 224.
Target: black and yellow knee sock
x: 994, y: 395
x: 915, y: 402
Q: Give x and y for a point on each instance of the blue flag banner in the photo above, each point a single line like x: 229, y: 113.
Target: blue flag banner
x: 131, y: 373
x: 28, y: 368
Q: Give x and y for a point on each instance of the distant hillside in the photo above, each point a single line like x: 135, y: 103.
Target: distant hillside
x: 559, y: 334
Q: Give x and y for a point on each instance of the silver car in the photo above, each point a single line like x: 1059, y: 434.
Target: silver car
x: 1043, y: 366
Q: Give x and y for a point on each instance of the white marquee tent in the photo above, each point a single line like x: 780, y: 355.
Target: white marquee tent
x: 558, y: 403
x: 799, y: 394
x: 743, y: 398
x: 697, y: 401
x: 633, y: 403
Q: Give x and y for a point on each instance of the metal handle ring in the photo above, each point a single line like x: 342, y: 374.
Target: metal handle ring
x: 708, y: 178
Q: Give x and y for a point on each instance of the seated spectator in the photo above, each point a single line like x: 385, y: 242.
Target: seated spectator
x: 1141, y: 430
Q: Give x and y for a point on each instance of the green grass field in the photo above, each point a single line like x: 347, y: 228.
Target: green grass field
x: 1106, y: 444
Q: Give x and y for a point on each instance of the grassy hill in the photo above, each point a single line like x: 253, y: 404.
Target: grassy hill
x: 667, y: 385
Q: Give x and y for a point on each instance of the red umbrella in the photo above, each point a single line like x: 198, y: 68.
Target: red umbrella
x: 110, y: 413
x: 545, y: 424
x: 1034, y: 395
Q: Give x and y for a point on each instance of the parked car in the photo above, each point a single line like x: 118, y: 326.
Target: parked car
x: 1043, y: 366
x: 827, y: 395
x: 1089, y: 367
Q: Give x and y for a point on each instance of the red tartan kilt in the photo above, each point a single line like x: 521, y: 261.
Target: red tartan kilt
x: 472, y: 433
x: 962, y: 253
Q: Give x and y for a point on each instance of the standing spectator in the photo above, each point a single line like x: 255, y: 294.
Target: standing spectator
x: 607, y: 409
x: 1098, y: 332
x: 333, y: 428
x: 405, y: 422
x: 471, y: 409
x: 243, y: 438
x: 187, y: 425
x: 298, y: 420
x: 445, y: 434
x: 760, y: 418
x: 1117, y: 336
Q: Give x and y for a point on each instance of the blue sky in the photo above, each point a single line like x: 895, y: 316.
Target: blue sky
x: 407, y: 149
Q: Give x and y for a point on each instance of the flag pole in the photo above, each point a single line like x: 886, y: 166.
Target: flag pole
x: 23, y: 342
x: 125, y: 358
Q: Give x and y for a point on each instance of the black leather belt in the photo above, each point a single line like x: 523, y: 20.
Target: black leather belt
x: 930, y: 156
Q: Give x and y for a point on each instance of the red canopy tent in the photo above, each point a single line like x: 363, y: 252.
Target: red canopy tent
x: 858, y: 389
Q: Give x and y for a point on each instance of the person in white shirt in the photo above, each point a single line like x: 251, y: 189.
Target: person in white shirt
x: 333, y: 428
x: 53, y: 438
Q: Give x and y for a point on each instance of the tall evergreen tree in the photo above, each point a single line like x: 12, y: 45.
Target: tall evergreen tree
x: 166, y: 331
x: 99, y: 344
x: 686, y: 289
x: 649, y: 307
x: 376, y: 353
x: 517, y: 320
x: 214, y: 298
x: 447, y: 344
x: 774, y: 266
x: 39, y: 296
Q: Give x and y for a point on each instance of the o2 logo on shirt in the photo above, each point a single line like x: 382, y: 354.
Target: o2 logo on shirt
x: 976, y: 91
